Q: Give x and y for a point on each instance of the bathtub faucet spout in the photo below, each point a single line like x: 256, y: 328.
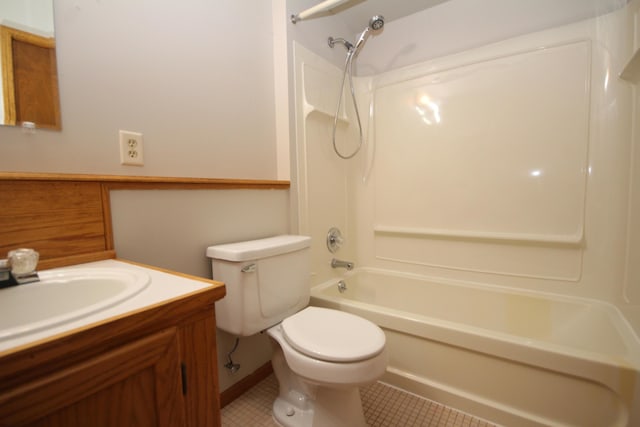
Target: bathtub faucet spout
x: 336, y: 263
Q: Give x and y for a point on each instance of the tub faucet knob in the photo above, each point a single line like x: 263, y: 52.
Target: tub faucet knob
x: 334, y: 239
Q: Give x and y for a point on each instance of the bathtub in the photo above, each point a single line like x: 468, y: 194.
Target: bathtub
x: 515, y: 358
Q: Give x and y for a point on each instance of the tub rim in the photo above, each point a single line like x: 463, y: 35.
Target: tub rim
x: 576, y: 361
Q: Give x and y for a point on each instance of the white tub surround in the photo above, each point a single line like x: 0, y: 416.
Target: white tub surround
x: 502, y: 159
x: 517, y: 358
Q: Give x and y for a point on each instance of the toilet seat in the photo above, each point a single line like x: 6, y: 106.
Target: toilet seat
x: 332, y: 335
x: 328, y: 374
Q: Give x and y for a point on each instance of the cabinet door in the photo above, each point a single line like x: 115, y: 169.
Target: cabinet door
x: 198, y: 349
x: 137, y: 384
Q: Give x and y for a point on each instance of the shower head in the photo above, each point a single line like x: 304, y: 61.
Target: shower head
x: 375, y: 23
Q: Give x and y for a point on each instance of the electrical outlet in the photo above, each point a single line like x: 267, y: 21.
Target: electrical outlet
x: 131, y: 148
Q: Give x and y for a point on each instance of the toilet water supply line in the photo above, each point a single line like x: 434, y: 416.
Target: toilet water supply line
x: 232, y: 367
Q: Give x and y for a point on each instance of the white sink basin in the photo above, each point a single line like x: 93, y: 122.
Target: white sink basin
x: 64, y: 295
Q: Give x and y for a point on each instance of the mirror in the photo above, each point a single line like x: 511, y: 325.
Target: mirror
x: 29, y: 94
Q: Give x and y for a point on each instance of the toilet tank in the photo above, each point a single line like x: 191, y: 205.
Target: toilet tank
x: 266, y: 280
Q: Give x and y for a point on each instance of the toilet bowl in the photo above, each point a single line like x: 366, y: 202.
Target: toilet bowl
x: 320, y: 356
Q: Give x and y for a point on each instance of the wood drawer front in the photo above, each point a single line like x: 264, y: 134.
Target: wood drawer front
x: 137, y: 384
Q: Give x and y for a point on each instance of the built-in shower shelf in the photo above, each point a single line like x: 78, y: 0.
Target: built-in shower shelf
x: 320, y: 91
x: 308, y: 109
x: 631, y: 71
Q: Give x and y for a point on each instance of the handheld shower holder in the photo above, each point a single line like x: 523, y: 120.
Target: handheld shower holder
x: 332, y: 42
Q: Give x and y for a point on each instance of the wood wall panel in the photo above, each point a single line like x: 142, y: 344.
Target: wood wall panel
x: 55, y: 218
x: 48, y: 202
x: 67, y: 217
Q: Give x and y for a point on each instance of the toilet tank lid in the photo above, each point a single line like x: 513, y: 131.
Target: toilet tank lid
x: 260, y: 248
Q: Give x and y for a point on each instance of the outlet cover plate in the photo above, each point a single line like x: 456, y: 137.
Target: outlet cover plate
x: 131, y: 150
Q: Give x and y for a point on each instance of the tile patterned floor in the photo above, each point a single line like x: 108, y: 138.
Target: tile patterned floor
x: 384, y: 406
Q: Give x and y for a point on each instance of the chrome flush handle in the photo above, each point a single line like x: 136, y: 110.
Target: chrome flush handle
x: 249, y: 268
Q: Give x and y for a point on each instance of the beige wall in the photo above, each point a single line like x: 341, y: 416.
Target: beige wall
x: 172, y: 229
x: 196, y: 78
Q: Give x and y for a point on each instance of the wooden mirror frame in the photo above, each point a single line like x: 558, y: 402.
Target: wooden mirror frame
x: 7, y: 36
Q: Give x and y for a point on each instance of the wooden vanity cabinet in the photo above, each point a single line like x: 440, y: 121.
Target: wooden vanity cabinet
x: 154, y: 367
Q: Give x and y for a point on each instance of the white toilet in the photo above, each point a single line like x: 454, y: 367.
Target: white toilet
x: 321, y: 356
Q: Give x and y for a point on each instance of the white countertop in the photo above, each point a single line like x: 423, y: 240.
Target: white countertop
x: 163, y: 287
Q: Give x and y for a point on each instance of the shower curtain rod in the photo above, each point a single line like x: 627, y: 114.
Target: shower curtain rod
x: 325, y: 6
